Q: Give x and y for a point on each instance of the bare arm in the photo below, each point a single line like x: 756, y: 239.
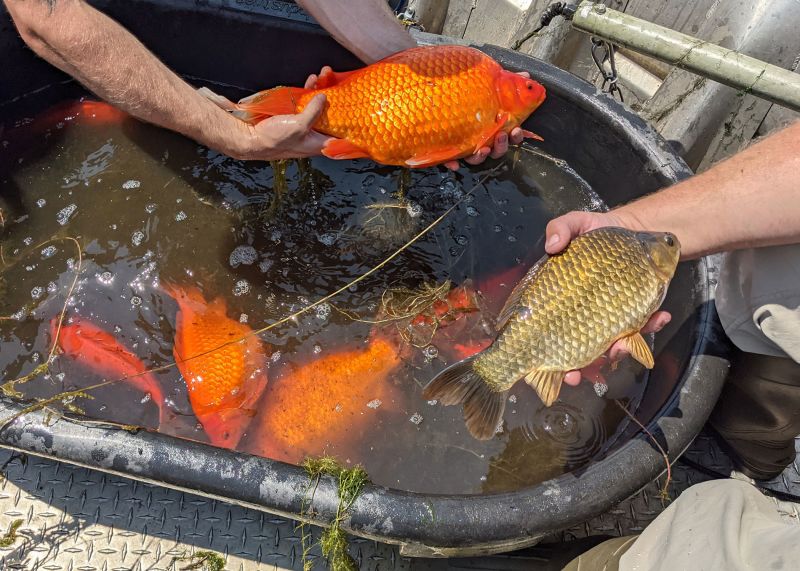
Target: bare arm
x: 368, y: 28
x: 750, y: 200
x: 113, y: 64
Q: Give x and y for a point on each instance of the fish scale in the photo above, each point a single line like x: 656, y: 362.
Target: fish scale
x: 564, y: 314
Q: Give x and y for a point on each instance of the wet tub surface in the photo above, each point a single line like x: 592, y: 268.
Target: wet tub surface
x: 150, y: 208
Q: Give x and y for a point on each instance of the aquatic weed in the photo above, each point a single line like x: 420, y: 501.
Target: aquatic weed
x: 350, y: 482
x: 205, y: 560
x: 11, y: 535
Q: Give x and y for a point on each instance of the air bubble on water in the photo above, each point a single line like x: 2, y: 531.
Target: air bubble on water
x: 472, y: 211
x: 106, y: 278
x: 131, y: 184
x: 461, y: 240
x: 242, y: 255
x: 41, y: 202
x: 117, y: 329
x: 150, y: 208
x: 512, y: 398
x: 242, y: 287
x: 180, y: 216
x: 60, y: 377
x: 37, y: 292
x: 137, y: 238
x: 275, y: 357
x: 18, y: 315
x: 327, y: 239
x: 66, y: 213
x: 136, y: 301
x: 52, y: 287
x: 433, y: 402
x: 512, y: 238
x: 30, y: 268
x: 35, y: 357
x: 49, y: 251
x: 178, y: 200
x: 601, y: 389
x: 382, y: 190
x: 483, y: 478
x: 498, y: 228
x: 416, y: 418
x: 352, y: 288
x: 28, y: 241
x: 413, y: 209
x: 430, y: 352
x: 323, y: 311
x: 243, y: 318
x: 113, y: 226
x: 264, y: 266
x: 146, y: 398
x: 374, y: 404
x: 70, y: 263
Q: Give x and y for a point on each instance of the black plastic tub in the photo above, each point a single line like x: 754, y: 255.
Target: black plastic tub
x: 256, y: 44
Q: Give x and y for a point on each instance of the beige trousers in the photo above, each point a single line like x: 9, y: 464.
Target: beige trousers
x: 722, y: 525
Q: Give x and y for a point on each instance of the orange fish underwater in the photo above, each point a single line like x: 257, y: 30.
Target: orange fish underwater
x: 324, y: 402
x: 224, y: 384
x: 100, y: 351
x: 420, y: 107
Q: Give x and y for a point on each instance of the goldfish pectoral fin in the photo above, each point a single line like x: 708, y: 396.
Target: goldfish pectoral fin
x: 639, y: 350
x: 332, y: 78
x: 531, y: 135
x: 341, y: 149
x: 492, y: 130
x: 436, y: 157
x: 219, y: 100
x: 514, y: 298
x: 460, y: 384
x: 268, y: 103
x: 547, y: 384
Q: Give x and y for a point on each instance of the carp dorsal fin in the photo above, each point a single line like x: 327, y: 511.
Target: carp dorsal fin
x: 510, y: 306
x: 547, y: 384
x: 639, y: 349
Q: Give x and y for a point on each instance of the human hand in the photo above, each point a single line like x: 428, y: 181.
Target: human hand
x: 560, y: 231
x: 499, y: 147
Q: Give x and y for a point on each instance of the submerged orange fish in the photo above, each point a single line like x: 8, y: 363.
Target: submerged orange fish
x: 419, y: 107
x: 100, y: 351
x: 224, y: 383
x: 324, y: 402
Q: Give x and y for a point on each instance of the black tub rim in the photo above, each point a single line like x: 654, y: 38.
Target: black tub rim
x: 423, y: 524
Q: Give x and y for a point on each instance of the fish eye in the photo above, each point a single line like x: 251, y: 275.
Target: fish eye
x: 668, y: 239
x: 530, y: 86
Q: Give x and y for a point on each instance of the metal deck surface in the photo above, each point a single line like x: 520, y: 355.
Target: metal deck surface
x: 76, y: 519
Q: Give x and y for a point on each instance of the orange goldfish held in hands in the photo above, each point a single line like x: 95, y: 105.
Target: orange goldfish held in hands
x: 98, y: 350
x: 324, y: 402
x: 223, y: 364
x: 419, y: 107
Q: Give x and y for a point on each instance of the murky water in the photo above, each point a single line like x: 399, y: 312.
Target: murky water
x: 149, y: 207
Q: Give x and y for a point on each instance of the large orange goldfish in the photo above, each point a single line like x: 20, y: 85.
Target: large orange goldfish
x: 419, y: 107
x: 324, y: 402
x: 224, y: 377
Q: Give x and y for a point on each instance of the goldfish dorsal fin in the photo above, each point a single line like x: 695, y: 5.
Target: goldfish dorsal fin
x: 639, y: 349
x: 510, y: 306
x: 340, y: 149
x: 332, y: 78
x: 547, y: 384
x: 434, y: 157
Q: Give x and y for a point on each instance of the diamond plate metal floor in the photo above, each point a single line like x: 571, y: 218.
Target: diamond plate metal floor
x: 75, y: 519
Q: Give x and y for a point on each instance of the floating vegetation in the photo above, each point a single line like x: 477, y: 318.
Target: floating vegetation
x: 350, y: 482
x: 10, y: 536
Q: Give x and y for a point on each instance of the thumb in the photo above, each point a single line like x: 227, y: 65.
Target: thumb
x: 312, y: 111
x: 563, y: 229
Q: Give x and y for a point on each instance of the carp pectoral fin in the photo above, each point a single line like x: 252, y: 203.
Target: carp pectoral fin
x: 639, y: 350
x: 340, y: 149
x: 434, y: 157
x: 460, y: 384
x: 547, y: 384
x: 513, y: 300
x: 491, y: 131
x: 531, y: 135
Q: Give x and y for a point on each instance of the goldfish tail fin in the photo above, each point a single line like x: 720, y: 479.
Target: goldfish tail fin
x: 460, y: 384
x: 219, y: 100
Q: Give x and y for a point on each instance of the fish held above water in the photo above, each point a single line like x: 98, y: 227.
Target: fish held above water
x: 562, y: 315
x: 419, y: 107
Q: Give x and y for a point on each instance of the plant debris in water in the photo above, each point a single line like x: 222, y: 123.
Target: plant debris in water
x: 204, y: 561
x: 350, y: 482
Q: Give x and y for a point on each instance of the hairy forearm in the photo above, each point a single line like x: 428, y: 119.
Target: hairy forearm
x: 367, y: 28
x: 114, y: 65
x: 750, y: 200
